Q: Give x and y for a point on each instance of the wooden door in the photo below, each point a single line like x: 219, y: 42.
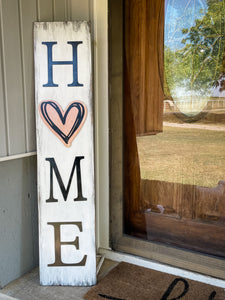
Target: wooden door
x: 163, y: 202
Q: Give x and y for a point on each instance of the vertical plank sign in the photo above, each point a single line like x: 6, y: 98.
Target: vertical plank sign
x: 65, y: 153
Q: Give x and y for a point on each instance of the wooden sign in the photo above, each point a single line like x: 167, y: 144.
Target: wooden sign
x: 64, y: 120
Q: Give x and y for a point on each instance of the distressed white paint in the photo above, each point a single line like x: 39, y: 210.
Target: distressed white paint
x: 49, y: 145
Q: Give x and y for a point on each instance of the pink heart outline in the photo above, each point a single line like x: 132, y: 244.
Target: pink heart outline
x: 64, y: 124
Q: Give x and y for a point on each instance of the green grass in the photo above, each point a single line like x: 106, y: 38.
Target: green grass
x: 183, y: 155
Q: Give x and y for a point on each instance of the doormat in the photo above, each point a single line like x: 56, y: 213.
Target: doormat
x: 131, y: 282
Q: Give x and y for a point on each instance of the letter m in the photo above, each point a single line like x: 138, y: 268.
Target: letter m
x: 65, y: 190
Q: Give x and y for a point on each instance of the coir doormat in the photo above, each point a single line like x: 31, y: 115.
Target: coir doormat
x: 131, y: 282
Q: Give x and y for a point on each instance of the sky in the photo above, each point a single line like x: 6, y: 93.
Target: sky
x: 181, y: 14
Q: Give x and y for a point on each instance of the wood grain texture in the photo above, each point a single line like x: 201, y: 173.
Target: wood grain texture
x: 184, y: 200
x: 201, y: 237
x: 193, y: 216
x: 143, y: 56
x: 132, y: 174
x: 50, y: 146
x: 143, y: 95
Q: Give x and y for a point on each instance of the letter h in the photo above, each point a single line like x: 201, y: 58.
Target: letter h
x: 73, y: 62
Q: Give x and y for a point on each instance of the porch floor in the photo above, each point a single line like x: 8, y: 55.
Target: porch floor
x: 28, y: 287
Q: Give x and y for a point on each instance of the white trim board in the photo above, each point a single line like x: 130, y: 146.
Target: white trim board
x: 17, y: 156
x: 100, y: 78
x: 116, y: 256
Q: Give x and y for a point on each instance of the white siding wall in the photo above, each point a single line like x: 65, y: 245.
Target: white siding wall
x: 17, y: 122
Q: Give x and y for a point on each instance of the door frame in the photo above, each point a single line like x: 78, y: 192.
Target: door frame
x: 101, y: 124
x: 181, y: 258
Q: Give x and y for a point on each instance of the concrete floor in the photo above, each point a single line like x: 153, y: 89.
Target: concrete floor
x: 28, y: 287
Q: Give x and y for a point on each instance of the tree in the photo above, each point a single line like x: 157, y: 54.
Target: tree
x: 199, y: 61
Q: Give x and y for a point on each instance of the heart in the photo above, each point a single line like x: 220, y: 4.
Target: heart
x: 64, y: 124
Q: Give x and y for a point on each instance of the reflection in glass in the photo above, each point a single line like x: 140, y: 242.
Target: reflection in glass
x: 174, y: 179
x: 194, y: 53
x: 183, y: 168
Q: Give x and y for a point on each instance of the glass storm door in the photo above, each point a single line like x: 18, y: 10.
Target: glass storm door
x: 174, y: 123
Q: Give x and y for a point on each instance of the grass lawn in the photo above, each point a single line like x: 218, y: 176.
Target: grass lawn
x: 183, y: 155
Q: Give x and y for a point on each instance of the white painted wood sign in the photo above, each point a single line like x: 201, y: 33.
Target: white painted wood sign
x: 64, y: 120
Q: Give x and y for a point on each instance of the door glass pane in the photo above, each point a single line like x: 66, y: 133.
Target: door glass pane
x: 182, y: 169
x: 193, y: 54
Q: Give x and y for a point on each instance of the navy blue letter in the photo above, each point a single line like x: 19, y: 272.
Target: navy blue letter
x: 73, y: 62
x: 65, y: 190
